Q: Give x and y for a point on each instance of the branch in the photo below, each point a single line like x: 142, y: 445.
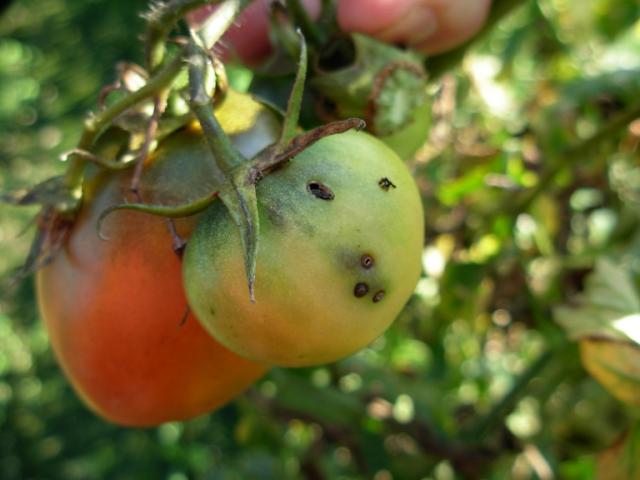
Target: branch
x: 497, y: 414
x: 341, y: 413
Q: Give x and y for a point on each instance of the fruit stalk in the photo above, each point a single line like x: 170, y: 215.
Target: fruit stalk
x: 95, y: 124
x: 162, y: 19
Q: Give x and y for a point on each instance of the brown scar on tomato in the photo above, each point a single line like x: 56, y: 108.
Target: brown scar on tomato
x: 379, y: 295
x: 361, y: 289
x: 275, y: 216
x: 385, y: 184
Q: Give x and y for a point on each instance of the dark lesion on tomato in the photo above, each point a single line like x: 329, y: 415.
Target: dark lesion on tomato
x: 360, y: 290
x: 378, y: 296
x: 320, y: 190
x: 366, y: 261
x: 385, y: 184
x: 275, y: 215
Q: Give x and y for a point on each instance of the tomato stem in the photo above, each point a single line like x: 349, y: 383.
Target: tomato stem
x: 308, y: 27
x: 231, y: 168
x: 162, y: 19
x: 291, y: 118
x: 166, y: 211
x: 505, y: 405
x: 93, y: 158
x: 268, y: 162
x: 95, y: 124
x: 226, y: 156
x: 159, y: 105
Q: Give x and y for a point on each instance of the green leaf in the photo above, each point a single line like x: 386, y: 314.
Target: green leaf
x: 608, y: 308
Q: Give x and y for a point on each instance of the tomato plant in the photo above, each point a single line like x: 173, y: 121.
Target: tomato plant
x: 114, y: 309
x: 340, y: 244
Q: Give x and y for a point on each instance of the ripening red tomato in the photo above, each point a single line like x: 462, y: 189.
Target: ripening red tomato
x: 114, y: 309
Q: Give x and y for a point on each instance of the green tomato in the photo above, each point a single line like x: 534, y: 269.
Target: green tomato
x: 341, y: 236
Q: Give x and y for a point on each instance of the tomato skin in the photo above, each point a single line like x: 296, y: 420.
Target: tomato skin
x: 313, y: 255
x: 114, y: 309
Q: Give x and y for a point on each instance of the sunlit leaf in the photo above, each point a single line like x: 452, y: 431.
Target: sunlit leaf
x: 616, y: 365
x: 608, y: 308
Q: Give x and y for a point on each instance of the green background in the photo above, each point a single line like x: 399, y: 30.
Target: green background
x: 479, y: 332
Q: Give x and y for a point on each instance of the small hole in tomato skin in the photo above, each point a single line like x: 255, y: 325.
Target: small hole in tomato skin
x: 385, y: 184
x: 367, y: 261
x: 361, y: 289
x: 320, y: 190
x: 379, y: 295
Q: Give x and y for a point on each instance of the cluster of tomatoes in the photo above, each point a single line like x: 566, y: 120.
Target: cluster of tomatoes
x: 341, y: 236
x: 147, y: 334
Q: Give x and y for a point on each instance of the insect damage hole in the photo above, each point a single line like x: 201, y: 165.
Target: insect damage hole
x: 386, y: 184
x: 361, y: 289
x: 320, y: 190
x: 367, y: 261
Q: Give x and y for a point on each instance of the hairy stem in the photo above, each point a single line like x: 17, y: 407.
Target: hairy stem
x: 160, y: 103
x: 225, y: 154
x: 302, y: 19
x: 162, y: 20
x: 290, y: 125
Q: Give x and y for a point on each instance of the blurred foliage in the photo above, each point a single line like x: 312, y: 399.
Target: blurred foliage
x: 475, y: 379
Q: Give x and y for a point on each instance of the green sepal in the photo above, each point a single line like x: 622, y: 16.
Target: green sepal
x: 232, y: 171
x: 167, y: 211
x: 239, y: 196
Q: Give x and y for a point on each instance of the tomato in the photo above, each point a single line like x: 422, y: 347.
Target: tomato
x: 114, y: 309
x: 341, y: 236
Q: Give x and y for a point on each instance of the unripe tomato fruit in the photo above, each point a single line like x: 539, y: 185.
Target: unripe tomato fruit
x: 341, y: 235
x: 113, y: 309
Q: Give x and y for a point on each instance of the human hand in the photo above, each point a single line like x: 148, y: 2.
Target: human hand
x: 429, y: 26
